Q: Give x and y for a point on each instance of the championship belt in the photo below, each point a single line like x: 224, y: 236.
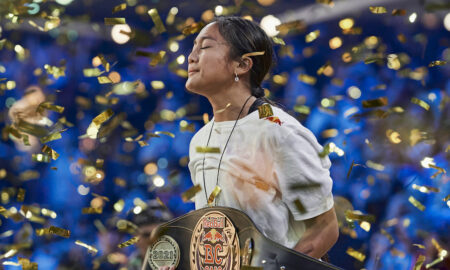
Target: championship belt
x: 221, y: 238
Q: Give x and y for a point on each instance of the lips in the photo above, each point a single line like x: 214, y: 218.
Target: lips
x: 191, y: 70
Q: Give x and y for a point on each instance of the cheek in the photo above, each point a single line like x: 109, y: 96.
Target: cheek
x: 214, y: 67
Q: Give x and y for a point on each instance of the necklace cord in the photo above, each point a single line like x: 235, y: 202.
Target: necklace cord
x: 220, y: 161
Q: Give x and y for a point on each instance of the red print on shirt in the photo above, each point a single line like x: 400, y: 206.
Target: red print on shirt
x: 274, y: 119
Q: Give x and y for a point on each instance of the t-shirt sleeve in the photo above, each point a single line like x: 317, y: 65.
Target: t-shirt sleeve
x: 302, y: 175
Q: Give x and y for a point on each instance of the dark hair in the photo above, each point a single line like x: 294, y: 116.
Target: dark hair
x: 245, y: 36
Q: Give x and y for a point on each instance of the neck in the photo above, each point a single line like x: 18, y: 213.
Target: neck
x: 236, y: 97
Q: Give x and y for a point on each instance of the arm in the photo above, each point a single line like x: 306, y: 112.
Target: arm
x: 321, y: 234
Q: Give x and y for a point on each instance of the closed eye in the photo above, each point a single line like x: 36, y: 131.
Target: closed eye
x: 205, y: 47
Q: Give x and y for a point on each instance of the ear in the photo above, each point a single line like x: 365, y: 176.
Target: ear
x: 244, y: 65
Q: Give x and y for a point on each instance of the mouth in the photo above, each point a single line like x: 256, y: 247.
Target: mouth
x: 192, y: 72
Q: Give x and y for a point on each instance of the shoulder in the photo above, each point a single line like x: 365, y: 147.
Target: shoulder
x: 200, y: 135
x: 288, y: 129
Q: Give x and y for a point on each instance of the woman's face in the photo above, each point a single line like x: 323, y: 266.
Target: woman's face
x: 209, y: 67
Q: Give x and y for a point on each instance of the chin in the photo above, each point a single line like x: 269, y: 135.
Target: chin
x: 190, y: 87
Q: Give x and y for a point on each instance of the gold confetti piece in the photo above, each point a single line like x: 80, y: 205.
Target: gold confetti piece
x: 397, y: 253
x: 160, y: 202
x: 92, y: 72
x: 142, y: 143
x: 114, y: 21
x: 441, y: 252
x: 55, y: 71
x: 91, y: 210
x: 421, y: 103
x: 419, y: 246
x: 50, y: 152
x: 214, y: 195
x: 252, y: 54
x: 398, y: 12
x: 51, y: 137
x: 104, y: 80
x: 385, y: 233
x: 27, y: 265
x: 103, y: 117
x: 105, y: 63
x: 190, y: 193
x: 437, y: 63
x: 49, y: 106
x: 130, y: 242
x: 21, y: 195
x: 356, y: 254
x: 156, y: 58
x: 378, y: 10
x: 100, y: 196
x: 53, y: 230
x: 438, y: 260
x: 312, y: 36
x: 323, y: 69
x: 307, y: 79
x: 29, y: 175
x: 425, y: 189
x: 207, y: 149
x: 287, y: 27
x: 299, y: 206
x: 419, y: 262
x: 119, y: 8
x: 10, y: 263
x: 278, y: 40
x: 326, y: 2
x: 440, y: 170
x: 120, y: 182
x: 325, y: 151
x: 40, y: 158
x: 378, y: 102
x: 357, y: 216
x: 193, y: 28
x: 446, y: 198
x: 32, y: 129
x: 265, y: 110
x: 301, y: 186
x: 90, y: 248
x: 416, y: 203
x: 157, y: 20
x: 170, y: 134
x: 222, y: 110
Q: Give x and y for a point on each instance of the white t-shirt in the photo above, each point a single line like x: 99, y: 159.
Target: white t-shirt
x: 262, y: 160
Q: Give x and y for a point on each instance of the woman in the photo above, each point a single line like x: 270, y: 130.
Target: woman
x: 263, y: 152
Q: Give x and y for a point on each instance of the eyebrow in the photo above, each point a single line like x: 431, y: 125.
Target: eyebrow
x: 205, y: 37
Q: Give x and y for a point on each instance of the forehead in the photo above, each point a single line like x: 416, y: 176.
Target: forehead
x: 210, y: 31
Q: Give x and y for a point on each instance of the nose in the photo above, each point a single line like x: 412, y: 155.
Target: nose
x: 193, y: 57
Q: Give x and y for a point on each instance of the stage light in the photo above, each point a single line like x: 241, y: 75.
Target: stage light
x: 117, y: 33
x: 412, y: 18
x: 447, y: 21
x: 218, y: 10
x: 150, y: 168
x: 427, y: 161
x: 180, y: 59
x: 346, y: 23
x: 335, y: 43
x: 268, y: 24
x: 64, y: 2
x: 82, y: 190
x: 158, y: 181
x: 174, y: 46
x: 354, y: 92
x: 137, y: 210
